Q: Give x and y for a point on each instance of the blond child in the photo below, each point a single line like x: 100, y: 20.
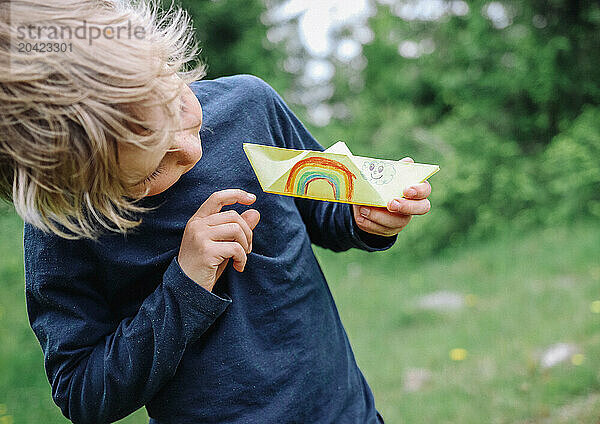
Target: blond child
x: 131, y: 179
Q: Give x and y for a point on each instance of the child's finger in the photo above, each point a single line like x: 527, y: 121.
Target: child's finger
x: 383, y: 217
x: 230, y: 249
x: 230, y: 231
x: 233, y: 217
x: 409, y: 207
x: 418, y: 191
x: 251, y: 216
x: 407, y: 159
x: 374, y: 227
x: 218, y: 199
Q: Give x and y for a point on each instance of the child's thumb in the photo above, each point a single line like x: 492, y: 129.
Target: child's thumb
x: 251, y: 216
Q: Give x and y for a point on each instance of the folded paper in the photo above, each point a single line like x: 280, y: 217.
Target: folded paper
x: 334, y: 174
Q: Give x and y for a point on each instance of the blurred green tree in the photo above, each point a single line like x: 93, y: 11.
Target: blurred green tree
x: 522, y: 68
x: 232, y: 37
x: 484, y: 89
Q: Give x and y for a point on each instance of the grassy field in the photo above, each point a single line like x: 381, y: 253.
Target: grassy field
x: 522, y: 294
x: 519, y: 295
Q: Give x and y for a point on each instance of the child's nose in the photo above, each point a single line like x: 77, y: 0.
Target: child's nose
x: 190, y: 150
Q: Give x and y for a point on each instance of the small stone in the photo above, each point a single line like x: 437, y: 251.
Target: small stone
x: 416, y: 378
x: 556, y: 354
x: 442, y: 301
x: 566, y: 282
x: 487, y: 368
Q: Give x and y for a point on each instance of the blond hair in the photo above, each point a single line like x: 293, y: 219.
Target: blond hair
x: 63, y: 113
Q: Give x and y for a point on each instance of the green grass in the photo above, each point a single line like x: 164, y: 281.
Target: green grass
x: 528, y: 292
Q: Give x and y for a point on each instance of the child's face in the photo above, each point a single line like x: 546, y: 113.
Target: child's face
x: 158, y: 169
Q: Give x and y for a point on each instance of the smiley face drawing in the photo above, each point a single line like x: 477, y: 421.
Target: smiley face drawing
x: 377, y: 172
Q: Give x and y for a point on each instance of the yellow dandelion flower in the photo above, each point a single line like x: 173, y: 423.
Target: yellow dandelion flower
x: 577, y: 359
x: 595, y: 307
x: 458, y: 354
x: 471, y: 300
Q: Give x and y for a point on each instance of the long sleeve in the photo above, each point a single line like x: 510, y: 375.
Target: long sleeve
x: 121, y: 326
x: 329, y: 224
x: 101, y: 370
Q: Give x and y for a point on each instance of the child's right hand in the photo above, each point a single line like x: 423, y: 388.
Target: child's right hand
x: 212, y: 237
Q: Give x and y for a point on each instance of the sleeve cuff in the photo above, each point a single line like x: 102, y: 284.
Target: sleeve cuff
x: 194, y: 295
x: 367, y: 241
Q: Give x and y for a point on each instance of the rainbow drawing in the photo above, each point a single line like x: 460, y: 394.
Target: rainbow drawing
x: 305, y: 171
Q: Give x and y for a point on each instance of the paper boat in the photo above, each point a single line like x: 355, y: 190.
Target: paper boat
x: 334, y: 175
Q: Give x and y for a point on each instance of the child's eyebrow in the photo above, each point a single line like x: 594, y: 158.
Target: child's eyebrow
x: 147, y: 130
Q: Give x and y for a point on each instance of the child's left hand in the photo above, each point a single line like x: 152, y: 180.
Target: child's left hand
x: 390, y: 221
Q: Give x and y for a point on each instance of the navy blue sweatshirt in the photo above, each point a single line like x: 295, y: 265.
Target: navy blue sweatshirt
x: 121, y: 326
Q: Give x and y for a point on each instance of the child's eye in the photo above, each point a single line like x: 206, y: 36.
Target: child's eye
x: 380, y: 168
x: 154, y: 175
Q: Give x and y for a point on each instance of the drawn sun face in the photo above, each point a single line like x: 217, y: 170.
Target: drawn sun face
x: 377, y: 172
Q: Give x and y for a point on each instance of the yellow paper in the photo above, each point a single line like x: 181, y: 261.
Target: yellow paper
x: 335, y: 175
